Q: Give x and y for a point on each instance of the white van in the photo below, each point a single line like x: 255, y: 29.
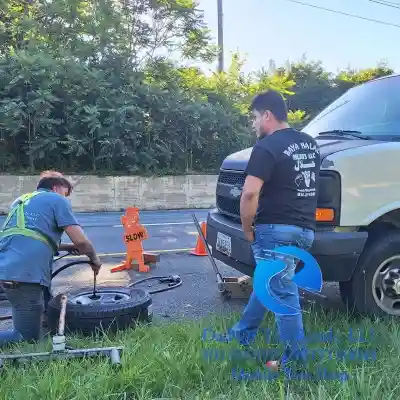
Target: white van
x: 357, y: 242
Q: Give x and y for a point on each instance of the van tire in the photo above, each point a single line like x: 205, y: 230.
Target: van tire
x: 378, y: 252
x: 346, y: 294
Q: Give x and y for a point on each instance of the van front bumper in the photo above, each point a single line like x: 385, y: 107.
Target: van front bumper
x: 336, y: 252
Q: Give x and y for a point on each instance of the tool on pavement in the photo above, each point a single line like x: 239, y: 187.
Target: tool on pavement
x: 60, y: 350
x: 242, y: 287
x: 220, y: 281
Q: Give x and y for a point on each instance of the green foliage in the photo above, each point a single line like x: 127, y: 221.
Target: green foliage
x: 86, y: 86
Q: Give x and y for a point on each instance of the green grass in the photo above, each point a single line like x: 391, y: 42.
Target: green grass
x: 166, y: 361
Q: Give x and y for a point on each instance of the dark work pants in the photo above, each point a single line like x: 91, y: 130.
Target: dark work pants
x: 28, y: 303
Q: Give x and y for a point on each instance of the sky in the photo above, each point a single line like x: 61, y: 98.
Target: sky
x: 281, y: 30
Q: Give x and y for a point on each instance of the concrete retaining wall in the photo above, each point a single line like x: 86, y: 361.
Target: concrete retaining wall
x: 92, y: 193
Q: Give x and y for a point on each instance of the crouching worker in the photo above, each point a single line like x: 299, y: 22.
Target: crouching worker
x: 29, y: 238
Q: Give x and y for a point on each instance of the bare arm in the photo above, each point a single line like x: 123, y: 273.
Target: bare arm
x: 249, y: 203
x: 66, y: 247
x: 258, y: 171
x: 81, y: 242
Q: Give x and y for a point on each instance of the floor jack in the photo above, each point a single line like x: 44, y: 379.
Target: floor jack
x: 228, y: 287
x: 61, y: 350
x: 220, y: 279
x: 233, y: 287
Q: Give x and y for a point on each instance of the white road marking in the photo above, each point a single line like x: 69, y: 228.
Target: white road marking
x: 70, y: 257
x: 161, y: 224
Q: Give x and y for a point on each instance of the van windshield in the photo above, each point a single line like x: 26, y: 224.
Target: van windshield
x: 372, y: 109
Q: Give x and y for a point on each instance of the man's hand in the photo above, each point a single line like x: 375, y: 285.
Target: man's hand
x: 249, y: 236
x: 84, y: 245
x: 96, y: 265
x: 70, y: 248
x: 74, y: 251
x: 249, y: 204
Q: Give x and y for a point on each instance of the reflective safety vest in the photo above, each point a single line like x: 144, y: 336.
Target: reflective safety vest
x: 21, y: 228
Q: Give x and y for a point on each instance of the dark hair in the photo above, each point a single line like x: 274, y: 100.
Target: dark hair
x: 270, y: 101
x: 49, y: 182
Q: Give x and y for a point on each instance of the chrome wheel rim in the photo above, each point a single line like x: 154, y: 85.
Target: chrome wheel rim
x: 386, y: 285
x: 103, y: 296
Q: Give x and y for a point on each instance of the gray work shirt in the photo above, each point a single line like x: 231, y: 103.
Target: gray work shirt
x: 24, y: 259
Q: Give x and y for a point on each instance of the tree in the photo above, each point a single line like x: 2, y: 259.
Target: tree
x: 89, y: 86
x: 96, y: 30
x: 349, y: 78
x: 313, y: 89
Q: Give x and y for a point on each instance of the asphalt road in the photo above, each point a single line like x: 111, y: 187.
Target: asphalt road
x: 172, y: 234
x: 167, y: 230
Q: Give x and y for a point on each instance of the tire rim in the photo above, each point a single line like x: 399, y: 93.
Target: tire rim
x: 102, y: 297
x: 386, y: 285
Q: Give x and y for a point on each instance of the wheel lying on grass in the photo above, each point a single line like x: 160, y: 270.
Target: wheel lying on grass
x: 112, y: 309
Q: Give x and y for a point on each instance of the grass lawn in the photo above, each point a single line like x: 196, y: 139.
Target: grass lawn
x: 168, y: 361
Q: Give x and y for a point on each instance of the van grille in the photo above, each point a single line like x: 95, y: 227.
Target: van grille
x: 232, y: 178
x: 227, y: 205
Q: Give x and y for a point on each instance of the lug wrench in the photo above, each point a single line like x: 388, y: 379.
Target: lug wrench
x: 94, y: 295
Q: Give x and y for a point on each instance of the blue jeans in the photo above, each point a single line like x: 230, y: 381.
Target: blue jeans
x: 27, y: 304
x: 290, y: 327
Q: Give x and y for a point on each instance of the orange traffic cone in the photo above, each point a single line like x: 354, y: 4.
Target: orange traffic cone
x: 200, y: 249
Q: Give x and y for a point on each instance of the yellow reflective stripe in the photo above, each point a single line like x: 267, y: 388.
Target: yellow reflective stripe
x: 21, y: 200
x: 26, y: 232
x: 20, y: 229
x: 20, y: 209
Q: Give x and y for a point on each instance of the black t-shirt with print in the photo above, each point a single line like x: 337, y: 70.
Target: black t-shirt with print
x: 288, y: 161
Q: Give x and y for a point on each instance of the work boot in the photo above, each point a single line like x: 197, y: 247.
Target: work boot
x: 273, y: 365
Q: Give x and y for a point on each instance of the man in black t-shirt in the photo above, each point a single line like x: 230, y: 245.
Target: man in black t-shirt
x: 277, y: 208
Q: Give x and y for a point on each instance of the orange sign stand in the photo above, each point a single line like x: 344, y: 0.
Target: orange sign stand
x: 134, y: 234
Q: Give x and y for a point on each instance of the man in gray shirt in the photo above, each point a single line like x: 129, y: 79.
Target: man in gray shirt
x: 29, y: 239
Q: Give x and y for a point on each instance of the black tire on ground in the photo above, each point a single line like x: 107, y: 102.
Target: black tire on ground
x: 110, y: 317
x: 359, y: 290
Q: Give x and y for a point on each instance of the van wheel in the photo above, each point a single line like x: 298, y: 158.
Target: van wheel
x: 375, y: 286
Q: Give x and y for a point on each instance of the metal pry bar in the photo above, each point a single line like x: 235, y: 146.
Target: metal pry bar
x: 59, y: 339
x: 220, y: 281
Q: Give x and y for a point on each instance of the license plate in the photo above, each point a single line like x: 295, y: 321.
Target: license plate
x: 224, y: 244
